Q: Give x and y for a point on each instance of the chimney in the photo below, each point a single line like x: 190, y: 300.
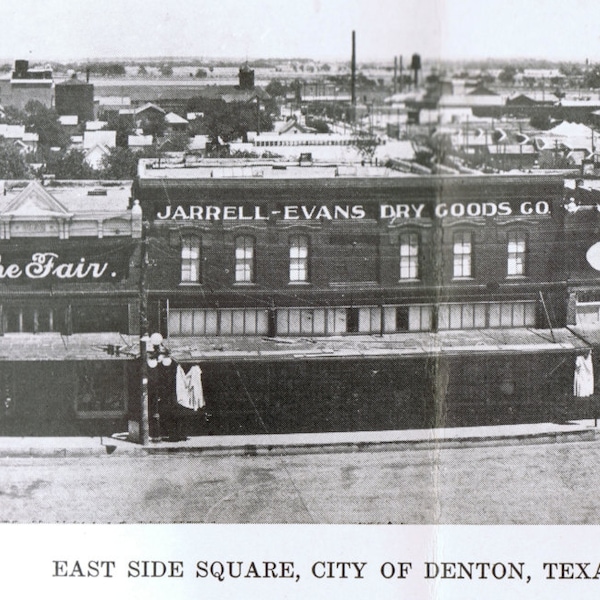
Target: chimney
x: 401, y: 75
x: 87, y: 75
x: 395, y: 73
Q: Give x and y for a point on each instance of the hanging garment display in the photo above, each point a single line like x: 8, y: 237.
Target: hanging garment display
x: 189, y: 388
x: 583, y: 383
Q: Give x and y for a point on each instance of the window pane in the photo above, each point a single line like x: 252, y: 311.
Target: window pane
x: 294, y: 321
x: 298, y: 258
x: 409, y: 256
x: 186, y: 322
x: 190, y: 259
x: 244, y: 259
x: 462, y: 254
x: 516, y: 253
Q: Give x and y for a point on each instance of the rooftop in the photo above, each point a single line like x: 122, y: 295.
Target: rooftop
x: 241, y: 168
x: 77, y: 198
x: 157, y: 170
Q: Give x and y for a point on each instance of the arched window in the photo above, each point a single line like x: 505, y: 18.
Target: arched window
x: 190, y: 259
x: 244, y: 259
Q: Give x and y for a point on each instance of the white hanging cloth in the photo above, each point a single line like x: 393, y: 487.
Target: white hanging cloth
x: 583, y: 382
x: 189, y: 388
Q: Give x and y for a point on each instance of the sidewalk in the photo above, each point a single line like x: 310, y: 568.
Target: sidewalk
x: 302, y: 443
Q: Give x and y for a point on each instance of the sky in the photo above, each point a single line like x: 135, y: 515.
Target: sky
x: 319, y: 29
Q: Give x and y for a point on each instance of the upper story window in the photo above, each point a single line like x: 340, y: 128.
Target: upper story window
x: 517, y: 249
x: 409, y: 256
x: 190, y: 259
x: 298, y: 258
x: 244, y: 259
x: 463, y: 254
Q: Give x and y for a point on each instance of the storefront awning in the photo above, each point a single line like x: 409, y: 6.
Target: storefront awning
x: 57, y: 347
x: 406, y: 345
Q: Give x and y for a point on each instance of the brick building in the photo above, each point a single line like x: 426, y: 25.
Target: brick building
x: 320, y: 298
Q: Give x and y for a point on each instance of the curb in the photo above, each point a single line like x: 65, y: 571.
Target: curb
x: 584, y: 435
x: 110, y: 446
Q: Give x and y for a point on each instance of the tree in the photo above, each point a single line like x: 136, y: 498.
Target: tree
x: 14, y: 116
x: 227, y: 121
x: 434, y: 150
x: 142, y: 71
x: 178, y: 141
x: 366, y: 146
x: 153, y: 123
x: 201, y: 73
x: 120, y: 163
x: 507, y: 75
x: 12, y: 163
x: 541, y: 121
x: 318, y: 125
x: 106, y: 69
x: 123, y: 125
x: 592, y: 77
x: 275, y: 88
x: 69, y: 164
x: 166, y: 70
x: 44, y: 121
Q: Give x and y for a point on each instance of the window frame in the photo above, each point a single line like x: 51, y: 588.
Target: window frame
x: 409, y: 261
x: 519, y: 256
x: 461, y: 260
x: 299, y: 264
x: 245, y: 265
x: 189, y: 243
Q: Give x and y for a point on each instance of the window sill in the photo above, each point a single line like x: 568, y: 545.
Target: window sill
x: 300, y: 283
x: 244, y: 284
x: 517, y: 277
x: 190, y: 284
x: 407, y: 280
x: 463, y: 279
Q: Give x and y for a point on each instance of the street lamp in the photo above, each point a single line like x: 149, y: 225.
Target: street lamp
x: 156, y: 354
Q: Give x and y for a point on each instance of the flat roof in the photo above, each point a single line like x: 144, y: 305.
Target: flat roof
x: 151, y: 169
x: 235, y: 169
x: 470, y: 342
x: 57, y: 347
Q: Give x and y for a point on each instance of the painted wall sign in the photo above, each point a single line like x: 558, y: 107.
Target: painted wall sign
x: 44, y: 265
x: 340, y: 212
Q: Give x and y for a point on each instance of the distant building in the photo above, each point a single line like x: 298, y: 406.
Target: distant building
x: 246, y: 77
x: 97, y: 145
x: 75, y: 97
x: 25, y: 84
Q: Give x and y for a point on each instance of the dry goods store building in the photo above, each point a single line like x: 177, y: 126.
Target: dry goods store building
x: 328, y: 297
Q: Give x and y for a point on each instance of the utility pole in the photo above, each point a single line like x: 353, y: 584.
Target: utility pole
x: 353, y: 77
x: 257, y: 115
x: 144, y: 433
